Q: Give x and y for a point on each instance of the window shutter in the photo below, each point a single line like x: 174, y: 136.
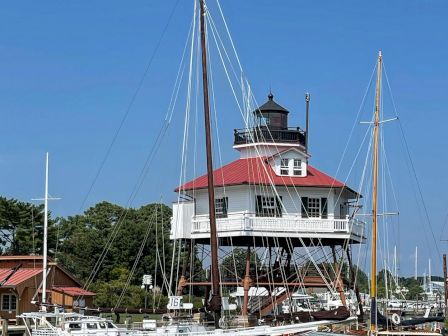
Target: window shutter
x: 225, y: 206
x: 258, y: 206
x: 304, y: 207
x: 279, y: 206
x: 324, y: 207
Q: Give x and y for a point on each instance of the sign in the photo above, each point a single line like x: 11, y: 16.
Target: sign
x: 147, y: 280
x: 175, y: 302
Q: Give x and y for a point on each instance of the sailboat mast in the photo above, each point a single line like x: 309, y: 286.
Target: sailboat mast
x: 44, y: 261
x: 415, y: 266
x: 373, y: 307
x: 215, y: 302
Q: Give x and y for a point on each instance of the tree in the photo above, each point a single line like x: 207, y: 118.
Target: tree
x: 362, y: 280
x: 108, y: 237
x: 413, y: 286
x: 21, y: 228
x: 234, y: 265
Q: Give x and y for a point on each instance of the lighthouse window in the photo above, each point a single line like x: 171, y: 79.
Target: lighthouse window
x: 284, y: 167
x: 268, y: 206
x: 266, y: 121
x: 313, y: 207
x: 221, y: 207
x: 297, y: 169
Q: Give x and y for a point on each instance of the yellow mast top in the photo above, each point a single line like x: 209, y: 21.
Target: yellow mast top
x: 373, y: 290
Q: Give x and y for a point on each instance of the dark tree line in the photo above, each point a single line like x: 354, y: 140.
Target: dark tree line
x: 113, y: 235
x: 78, y: 243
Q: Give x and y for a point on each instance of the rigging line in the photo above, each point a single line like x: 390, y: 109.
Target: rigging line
x: 196, y: 109
x: 237, y: 78
x: 229, y: 35
x: 214, y: 34
x: 131, y: 198
x: 230, y: 82
x: 239, y: 107
x: 387, y: 167
x: 255, y: 250
x: 129, y: 107
x: 296, y: 269
x: 355, y: 123
x: 356, y: 157
x: 420, y: 192
x: 215, y: 113
x: 412, y: 164
x: 143, y: 173
x: 136, y: 189
x: 269, y: 273
x: 182, y: 176
x: 282, y: 268
x: 137, y: 258
x: 444, y: 225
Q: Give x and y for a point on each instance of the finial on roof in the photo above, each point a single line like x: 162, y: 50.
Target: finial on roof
x: 270, y: 95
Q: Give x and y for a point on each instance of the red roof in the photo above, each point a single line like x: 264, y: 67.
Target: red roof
x: 73, y: 291
x: 19, y: 276
x: 258, y: 171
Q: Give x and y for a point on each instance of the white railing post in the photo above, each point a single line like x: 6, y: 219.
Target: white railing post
x: 247, y: 221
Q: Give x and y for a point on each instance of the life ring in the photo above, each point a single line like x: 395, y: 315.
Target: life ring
x: 396, y: 319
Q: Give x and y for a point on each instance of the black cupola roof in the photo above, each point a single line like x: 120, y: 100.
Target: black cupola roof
x: 271, y: 106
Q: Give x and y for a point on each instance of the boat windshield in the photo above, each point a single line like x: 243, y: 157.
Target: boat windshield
x: 74, y: 326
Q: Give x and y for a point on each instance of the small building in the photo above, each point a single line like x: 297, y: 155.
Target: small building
x: 21, y: 286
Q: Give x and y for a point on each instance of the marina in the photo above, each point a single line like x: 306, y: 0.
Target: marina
x: 255, y: 236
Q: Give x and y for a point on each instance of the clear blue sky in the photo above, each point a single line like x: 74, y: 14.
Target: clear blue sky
x: 68, y: 71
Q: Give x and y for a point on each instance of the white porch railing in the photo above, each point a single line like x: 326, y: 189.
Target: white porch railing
x: 242, y: 221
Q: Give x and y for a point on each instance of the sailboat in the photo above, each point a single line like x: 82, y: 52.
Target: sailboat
x: 50, y: 320
x: 219, y: 224
x: 376, y: 318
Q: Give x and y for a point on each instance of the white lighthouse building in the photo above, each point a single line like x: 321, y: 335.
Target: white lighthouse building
x: 271, y: 190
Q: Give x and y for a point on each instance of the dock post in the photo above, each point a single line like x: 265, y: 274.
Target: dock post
x: 4, y: 327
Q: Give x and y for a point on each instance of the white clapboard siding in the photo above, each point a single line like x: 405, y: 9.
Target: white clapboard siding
x: 242, y: 198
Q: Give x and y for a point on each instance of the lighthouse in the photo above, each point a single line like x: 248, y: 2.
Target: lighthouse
x: 269, y: 197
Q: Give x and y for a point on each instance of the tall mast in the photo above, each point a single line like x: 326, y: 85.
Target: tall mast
x: 307, y: 128
x: 429, y: 276
x: 415, y: 274
x: 395, y: 265
x: 215, y: 302
x: 45, y: 266
x: 373, y: 307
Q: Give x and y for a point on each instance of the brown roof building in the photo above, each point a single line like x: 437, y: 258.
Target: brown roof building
x: 21, y: 286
